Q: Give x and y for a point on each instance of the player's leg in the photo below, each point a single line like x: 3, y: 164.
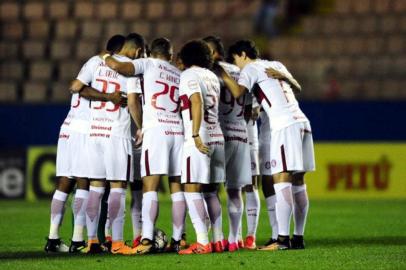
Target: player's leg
x: 54, y: 243
x: 150, y: 210
x: 178, y: 213
x: 96, y: 191
x: 195, y: 170
x: 136, y: 210
x: 300, y: 209
x: 198, y: 215
x: 235, y: 210
x: 79, y: 215
x: 116, y: 210
x: 104, y: 227
x: 270, y: 201
x: 212, y: 200
x: 252, y: 212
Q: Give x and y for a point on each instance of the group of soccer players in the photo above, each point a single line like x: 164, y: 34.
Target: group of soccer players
x: 137, y: 114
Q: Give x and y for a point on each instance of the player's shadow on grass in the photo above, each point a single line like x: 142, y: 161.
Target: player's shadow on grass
x: 364, y: 241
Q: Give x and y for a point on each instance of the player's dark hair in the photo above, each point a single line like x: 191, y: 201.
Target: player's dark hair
x: 115, y: 43
x: 196, y: 53
x: 161, y: 46
x: 246, y: 46
x: 218, y: 45
x: 136, y: 39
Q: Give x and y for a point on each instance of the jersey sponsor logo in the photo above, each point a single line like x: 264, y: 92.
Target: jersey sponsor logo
x: 235, y: 138
x: 193, y: 85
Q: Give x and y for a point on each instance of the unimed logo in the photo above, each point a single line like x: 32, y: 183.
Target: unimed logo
x: 359, y: 176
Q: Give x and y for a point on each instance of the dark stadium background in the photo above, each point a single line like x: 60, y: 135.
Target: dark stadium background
x: 348, y: 55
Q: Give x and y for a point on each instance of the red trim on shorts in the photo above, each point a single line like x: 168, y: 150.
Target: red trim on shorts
x: 148, y: 173
x: 285, y: 169
x: 128, y: 168
x: 188, y: 170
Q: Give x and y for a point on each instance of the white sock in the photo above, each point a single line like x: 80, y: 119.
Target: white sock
x: 136, y: 208
x: 270, y: 206
x: 116, y: 212
x: 284, y: 206
x: 107, y: 225
x: 93, y: 211
x: 149, y: 213
x: 300, y: 208
x: 252, y: 211
x: 79, y: 214
x: 214, y: 210
x: 178, y: 214
x: 235, y: 208
x: 198, y: 215
x: 57, y: 211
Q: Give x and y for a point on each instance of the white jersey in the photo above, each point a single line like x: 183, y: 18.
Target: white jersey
x: 231, y: 110
x: 79, y: 114
x: 275, y: 96
x: 107, y: 119
x: 160, y: 93
x: 202, y: 81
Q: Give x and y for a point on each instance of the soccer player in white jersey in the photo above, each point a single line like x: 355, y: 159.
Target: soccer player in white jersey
x: 203, y: 150
x: 110, y: 147
x: 237, y: 151
x: 161, y: 121
x: 71, y: 164
x: 291, y: 140
x: 252, y: 208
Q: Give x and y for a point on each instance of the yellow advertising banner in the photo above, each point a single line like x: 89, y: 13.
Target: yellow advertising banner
x: 358, y: 170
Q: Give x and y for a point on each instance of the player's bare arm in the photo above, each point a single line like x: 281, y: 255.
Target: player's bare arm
x: 255, y: 113
x: 276, y: 74
x: 92, y: 94
x: 124, y: 68
x: 76, y: 86
x: 197, y: 108
x: 235, y: 89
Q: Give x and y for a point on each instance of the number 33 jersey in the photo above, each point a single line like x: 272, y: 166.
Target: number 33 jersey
x: 202, y: 81
x: 107, y: 119
x: 160, y: 93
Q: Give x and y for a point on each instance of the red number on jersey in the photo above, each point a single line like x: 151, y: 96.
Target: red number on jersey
x: 104, y: 90
x: 171, y: 90
x: 77, y: 102
x: 228, y: 99
x: 208, y: 108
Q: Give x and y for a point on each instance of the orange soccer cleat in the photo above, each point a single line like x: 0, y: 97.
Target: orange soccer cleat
x: 118, y: 247
x: 196, y: 248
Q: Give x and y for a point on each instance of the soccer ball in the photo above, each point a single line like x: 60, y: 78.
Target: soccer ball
x: 160, y: 240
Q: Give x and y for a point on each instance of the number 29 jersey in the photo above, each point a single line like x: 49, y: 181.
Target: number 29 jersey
x: 204, y: 82
x: 160, y: 93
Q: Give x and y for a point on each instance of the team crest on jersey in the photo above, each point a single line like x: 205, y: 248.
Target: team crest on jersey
x: 267, y: 165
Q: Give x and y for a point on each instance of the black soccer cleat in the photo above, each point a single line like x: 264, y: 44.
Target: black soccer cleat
x: 55, y: 245
x: 283, y: 242
x: 297, y: 242
x: 77, y: 246
x: 174, y: 246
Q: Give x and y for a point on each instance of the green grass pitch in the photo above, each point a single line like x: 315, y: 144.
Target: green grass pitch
x: 339, y: 235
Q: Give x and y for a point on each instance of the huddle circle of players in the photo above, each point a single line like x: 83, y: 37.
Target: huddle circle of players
x: 136, y: 117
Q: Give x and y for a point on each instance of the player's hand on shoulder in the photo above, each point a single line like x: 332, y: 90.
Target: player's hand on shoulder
x: 273, y: 73
x: 201, y: 146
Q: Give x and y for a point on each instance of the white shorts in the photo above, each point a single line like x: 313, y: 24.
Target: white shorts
x: 162, y: 152
x: 254, y: 162
x: 265, y: 158
x: 110, y: 158
x: 72, y: 155
x: 292, y: 149
x: 238, y: 173
x: 203, y: 169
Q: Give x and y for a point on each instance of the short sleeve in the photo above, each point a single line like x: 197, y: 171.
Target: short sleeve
x: 248, y: 78
x: 189, y: 84
x: 134, y: 85
x: 140, y: 65
x: 86, y: 73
